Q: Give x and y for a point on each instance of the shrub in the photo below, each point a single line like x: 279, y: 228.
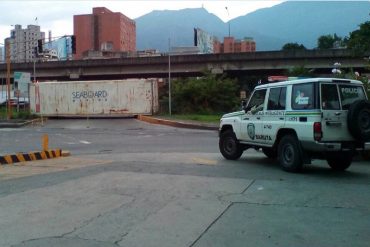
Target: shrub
x: 205, y: 95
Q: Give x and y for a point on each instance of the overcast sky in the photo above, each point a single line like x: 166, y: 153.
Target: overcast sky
x: 57, y: 16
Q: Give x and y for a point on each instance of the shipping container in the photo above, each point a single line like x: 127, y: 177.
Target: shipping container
x: 94, y: 98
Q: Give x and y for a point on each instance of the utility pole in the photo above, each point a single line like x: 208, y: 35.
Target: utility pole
x: 34, y: 70
x: 34, y: 65
x: 9, y: 107
x: 169, y: 76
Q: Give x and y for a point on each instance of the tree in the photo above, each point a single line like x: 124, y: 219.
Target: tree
x: 329, y: 41
x: 293, y: 47
x: 300, y: 71
x: 208, y: 94
x: 363, y: 78
x: 359, y: 40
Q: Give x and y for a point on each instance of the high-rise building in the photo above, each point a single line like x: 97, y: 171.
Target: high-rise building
x: 23, y: 42
x: 231, y: 45
x: 103, y: 30
x: 1, y: 54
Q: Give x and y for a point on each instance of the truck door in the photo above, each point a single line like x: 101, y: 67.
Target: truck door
x: 274, y: 117
x: 253, y: 118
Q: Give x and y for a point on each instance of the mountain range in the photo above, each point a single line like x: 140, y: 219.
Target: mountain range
x: 292, y: 21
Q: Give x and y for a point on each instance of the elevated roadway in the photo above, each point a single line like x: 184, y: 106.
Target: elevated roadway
x: 256, y: 63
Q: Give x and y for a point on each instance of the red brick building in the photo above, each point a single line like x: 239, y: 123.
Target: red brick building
x: 231, y: 45
x: 103, y: 30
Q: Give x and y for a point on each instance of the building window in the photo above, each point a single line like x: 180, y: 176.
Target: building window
x: 107, y: 46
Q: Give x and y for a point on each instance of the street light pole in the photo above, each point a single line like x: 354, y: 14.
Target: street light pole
x: 169, y: 76
x: 229, y: 19
x: 8, y: 79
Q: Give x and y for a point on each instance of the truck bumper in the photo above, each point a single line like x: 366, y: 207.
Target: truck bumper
x: 335, y: 146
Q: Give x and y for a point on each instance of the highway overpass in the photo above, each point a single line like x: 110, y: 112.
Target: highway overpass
x: 256, y: 63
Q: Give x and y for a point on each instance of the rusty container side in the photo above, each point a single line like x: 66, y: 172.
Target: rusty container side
x: 95, y: 98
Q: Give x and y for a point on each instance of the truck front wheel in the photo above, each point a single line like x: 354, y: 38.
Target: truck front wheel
x: 229, y: 146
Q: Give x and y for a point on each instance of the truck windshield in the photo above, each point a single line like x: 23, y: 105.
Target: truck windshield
x: 349, y: 94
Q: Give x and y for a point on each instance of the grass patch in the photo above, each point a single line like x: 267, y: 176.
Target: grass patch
x: 22, y: 114
x: 214, y: 118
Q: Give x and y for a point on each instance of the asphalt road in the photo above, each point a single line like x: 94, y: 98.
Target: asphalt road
x: 129, y: 183
x: 93, y: 136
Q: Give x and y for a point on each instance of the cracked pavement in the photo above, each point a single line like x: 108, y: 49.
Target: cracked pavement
x: 118, y: 208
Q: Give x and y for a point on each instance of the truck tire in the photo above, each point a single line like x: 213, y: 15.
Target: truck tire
x: 339, y: 161
x: 289, y: 154
x: 229, y: 146
x: 358, y: 120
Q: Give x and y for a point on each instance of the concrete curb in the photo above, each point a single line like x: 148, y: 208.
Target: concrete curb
x: 12, y: 124
x: 17, y: 123
x: 177, y: 124
x: 31, y: 156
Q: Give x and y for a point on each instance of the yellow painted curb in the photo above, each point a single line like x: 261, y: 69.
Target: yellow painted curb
x: 22, y: 157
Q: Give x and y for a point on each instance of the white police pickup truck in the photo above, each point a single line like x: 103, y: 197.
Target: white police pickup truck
x: 297, y: 121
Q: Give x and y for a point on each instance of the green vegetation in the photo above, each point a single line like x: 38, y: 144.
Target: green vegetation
x: 300, y: 71
x: 330, y: 41
x: 206, y: 95
x: 359, y: 40
x: 22, y: 114
x: 293, y: 47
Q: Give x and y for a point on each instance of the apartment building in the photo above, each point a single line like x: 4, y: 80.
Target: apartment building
x: 23, y: 42
x: 231, y: 45
x: 104, y: 30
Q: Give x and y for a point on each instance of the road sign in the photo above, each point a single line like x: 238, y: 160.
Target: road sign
x: 22, y: 79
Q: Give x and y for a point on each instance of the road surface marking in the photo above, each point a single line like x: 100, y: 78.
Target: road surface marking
x: 85, y: 142
x: 201, y: 161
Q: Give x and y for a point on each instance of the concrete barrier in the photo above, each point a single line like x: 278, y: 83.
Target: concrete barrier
x: 31, y: 156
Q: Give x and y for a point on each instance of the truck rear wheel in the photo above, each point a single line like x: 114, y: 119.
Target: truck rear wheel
x: 289, y: 154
